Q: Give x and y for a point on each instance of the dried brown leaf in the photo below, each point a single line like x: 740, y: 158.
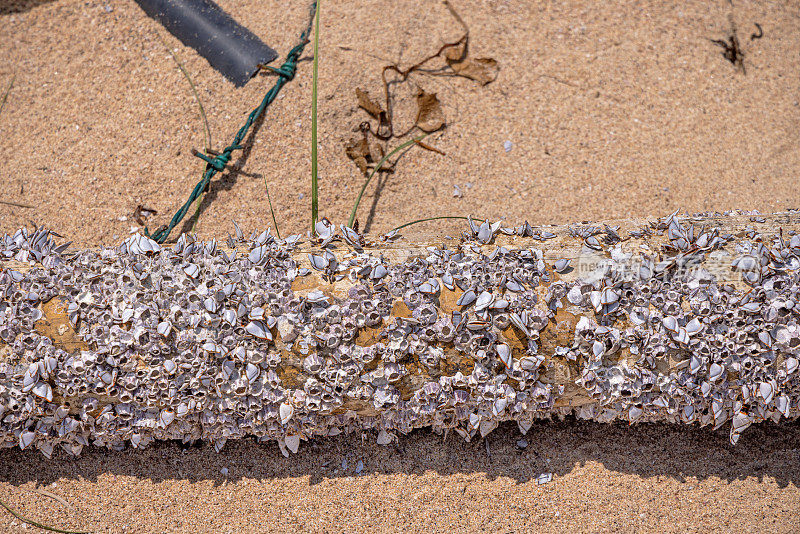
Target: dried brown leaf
x: 456, y: 52
x: 358, y: 151
x: 366, y: 154
x: 384, y: 130
x: 429, y: 114
x: 482, y: 69
x: 367, y: 104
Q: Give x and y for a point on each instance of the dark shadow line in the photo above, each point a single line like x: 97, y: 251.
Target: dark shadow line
x: 648, y: 450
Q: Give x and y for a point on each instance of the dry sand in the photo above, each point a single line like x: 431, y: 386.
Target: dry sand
x: 613, y: 110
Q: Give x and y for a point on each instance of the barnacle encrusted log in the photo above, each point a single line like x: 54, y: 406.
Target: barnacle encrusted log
x: 680, y: 319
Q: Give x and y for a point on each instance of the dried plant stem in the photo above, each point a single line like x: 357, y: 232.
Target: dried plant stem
x: 7, y: 92
x: 16, y: 204
x: 39, y: 525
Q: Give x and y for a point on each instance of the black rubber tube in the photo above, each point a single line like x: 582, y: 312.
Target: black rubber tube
x: 228, y: 46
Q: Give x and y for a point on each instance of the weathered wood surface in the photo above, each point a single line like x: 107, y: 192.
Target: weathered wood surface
x: 679, y: 319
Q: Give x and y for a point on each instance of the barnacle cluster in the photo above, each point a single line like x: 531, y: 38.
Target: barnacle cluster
x: 200, y: 342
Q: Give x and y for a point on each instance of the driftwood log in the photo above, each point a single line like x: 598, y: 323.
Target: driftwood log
x: 687, y: 319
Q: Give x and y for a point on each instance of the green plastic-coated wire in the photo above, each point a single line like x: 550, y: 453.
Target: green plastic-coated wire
x: 218, y: 162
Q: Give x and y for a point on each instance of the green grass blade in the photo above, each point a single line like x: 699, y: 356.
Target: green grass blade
x: 375, y: 170
x: 428, y: 219
x: 315, y: 76
x: 206, y: 129
x: 274, y: 221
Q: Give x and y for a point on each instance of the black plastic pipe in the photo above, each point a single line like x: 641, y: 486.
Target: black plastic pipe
x: 228, y: 46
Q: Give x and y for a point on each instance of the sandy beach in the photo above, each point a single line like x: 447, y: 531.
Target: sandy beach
x: 599, y: 111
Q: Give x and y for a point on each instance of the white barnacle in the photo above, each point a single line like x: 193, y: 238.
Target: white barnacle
x: 324, y: 229
x: 319, y: 263
x: 466, y: 299
x: 634, y: 413
x: 670, y: 323
x: 43, y: 391
x: 170, y: 366
x: 681, y: 336
x: 592, y: 242
x: 499, y: 304
x: 252, y: 372
x: 229, y: 316
x: 483, y: 301
x: 164, y: 328
x: 166, y: 416
x: 597, y: 300
x: 694, y: 326
x: 766, y: 390
x: 351, y: 237
x: 504, y: 353
x: 430, y: 287
x: 316, y: 296
x: 25, y: 439
x: 609, y: 296
x: 378, y: 272
x: 192, y: 270
x: 561, y: 265
x: 258, y: 254
x: 210, y: 305
x: 715, y: 372
x: 575, y: 295
x: 259, y: 330
x: 286, y: 411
